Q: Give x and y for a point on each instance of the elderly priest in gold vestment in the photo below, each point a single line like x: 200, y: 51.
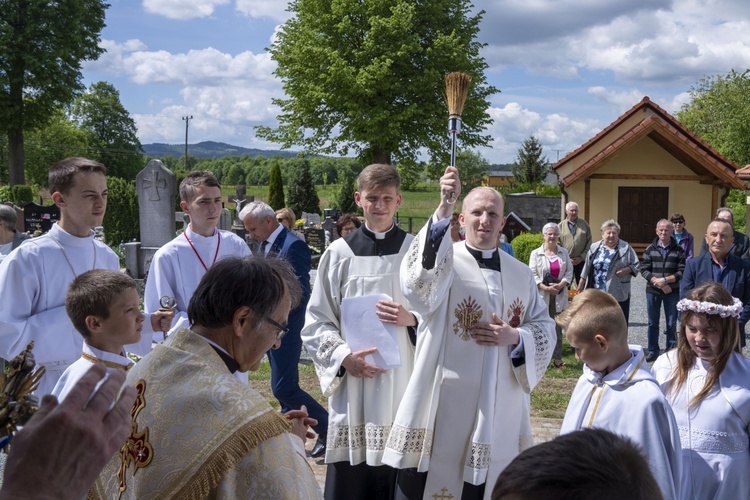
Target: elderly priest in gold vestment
x: 198, y: 430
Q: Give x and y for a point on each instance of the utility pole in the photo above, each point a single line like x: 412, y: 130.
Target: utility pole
x: 558, y: 151
x: 187, y: 122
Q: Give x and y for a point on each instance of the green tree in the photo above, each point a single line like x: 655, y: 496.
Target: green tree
x: 121, y: 220
x: 345, y: 195
x: 42, y: 46
x: 112, y: 131
x: 46, y: 146
x: 531, y: 167
x: 302, y: 195
x: 276, y: 188
x: 359, y: 74
x: 410, y: 172
x: 473, y: 170
x: 719, y: 113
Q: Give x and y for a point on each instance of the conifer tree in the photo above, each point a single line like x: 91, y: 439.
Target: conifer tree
x: 302, y: 195
x: 345, y: 195
x: 276, y: 188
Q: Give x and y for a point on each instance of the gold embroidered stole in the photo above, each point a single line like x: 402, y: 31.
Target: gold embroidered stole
x: 199, y: 421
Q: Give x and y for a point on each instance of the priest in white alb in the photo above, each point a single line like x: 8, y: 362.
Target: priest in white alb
x: 484, y: 342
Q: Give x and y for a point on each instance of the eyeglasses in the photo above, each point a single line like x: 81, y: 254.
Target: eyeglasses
x: 280, y: 219
x: 282, y: 330
x: 678, y: 222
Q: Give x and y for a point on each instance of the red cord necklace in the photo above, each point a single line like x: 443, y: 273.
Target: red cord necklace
x: 218, y: 245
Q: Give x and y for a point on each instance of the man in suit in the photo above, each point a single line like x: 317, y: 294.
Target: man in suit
x: 741, y: 246
x: 720, y: 265
x: 273, y: 238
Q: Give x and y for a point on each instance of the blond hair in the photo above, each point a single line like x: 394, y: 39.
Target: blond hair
x: 594, y: 312
x: 378, y: 176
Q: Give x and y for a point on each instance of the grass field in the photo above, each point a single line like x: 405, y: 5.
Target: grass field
x: 549, y: 399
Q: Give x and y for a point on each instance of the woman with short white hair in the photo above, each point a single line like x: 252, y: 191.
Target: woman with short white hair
x: 610, y: 264
x: 553, y: 271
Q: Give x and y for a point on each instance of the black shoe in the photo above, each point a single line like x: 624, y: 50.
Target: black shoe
x: 320, y: 447
x: 651, y: 357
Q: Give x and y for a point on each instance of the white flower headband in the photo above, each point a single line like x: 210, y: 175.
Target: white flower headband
x: 711, y: 307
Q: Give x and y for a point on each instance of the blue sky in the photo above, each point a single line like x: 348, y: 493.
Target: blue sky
x: 566, y: 68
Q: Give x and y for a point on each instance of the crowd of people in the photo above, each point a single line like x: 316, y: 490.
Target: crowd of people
x: 426, y: 347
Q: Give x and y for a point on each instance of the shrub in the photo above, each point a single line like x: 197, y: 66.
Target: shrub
x: 525, y: 243
x: 21, y: 194
x: 121, y: 222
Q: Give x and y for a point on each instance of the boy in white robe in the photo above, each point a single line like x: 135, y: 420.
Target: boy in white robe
x: 178, y: 266
x: 617, y: 392
x: 362, y: 398
x: 34, y: 278
x: 484, y: 342
x: 104, y: 307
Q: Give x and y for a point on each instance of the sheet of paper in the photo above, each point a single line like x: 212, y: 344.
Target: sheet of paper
x: 365, y: 330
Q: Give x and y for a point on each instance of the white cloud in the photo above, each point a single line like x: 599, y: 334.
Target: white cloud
x: 660, y: 42
x: 182, y: 9
x: 275, y: 9
x: 558, y: 133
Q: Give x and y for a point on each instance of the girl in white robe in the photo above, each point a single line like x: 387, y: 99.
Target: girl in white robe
x: 707, y: 382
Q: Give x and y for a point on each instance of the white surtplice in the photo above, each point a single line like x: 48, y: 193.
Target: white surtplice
x: 465, y: 414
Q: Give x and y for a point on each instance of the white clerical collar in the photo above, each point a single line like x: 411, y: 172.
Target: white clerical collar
x: 69, y: 240
x: 197, y: 237
x: 378, y: 236
x: 108, y: 357
x: 272, y: 237
x: 217, y: 346
x: 486, y: 254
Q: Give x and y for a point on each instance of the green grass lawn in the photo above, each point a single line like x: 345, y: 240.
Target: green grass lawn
x: 549, y: 399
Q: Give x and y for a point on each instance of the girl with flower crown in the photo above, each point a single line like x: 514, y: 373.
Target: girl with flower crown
x: 707, y: 382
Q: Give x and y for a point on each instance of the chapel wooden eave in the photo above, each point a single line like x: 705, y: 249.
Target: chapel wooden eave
x: 646, y: 119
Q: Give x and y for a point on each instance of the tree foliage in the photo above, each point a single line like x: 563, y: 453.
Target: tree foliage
x: 46, y: 146
x: 367, y: 76
x: 410, y: 172
x: 42, y: 45
x: 345, y: 195
x: 113, y: 138
x: 719, y: 113
x: 531, y: 166
x: 302, y: 195
x: 121, y: 220
x: 276, y: 188
x: 473, y: 170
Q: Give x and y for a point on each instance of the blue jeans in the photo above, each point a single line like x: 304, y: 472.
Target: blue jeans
x: 653, y: 304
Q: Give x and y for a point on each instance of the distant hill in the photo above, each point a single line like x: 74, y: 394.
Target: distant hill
x: 209, y: 149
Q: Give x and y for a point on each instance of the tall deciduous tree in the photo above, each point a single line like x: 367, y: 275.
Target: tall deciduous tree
x: 302, y: 195
x: 42, y: 45
x: 46, y: 146
x: 368, y: 75
x: 112, y: 131
x: 531, y: 167
x: 276, y: 188
x: 719, y: 113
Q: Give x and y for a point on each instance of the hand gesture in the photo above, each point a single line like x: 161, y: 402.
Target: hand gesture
x: 356, y: 365
x: 301, y: 423
x: 394, y: 313
x: 449, y: 183
x: 61, y: 450
x: 161, y: 320
x: 497, y: 333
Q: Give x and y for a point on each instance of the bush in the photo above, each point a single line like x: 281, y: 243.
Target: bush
x: 5, y: 194
x: 21, y: 194
x: 121, y: 222
x: 525, y: 243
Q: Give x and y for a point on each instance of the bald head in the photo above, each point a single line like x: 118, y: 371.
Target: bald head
x: 482, y: 217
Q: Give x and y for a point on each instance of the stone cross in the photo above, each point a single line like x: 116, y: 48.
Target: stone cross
x: 157, y: 188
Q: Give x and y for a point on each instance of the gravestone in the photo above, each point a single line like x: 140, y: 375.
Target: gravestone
x: 156, y: 187
x: 240, y: 199
x: 316, y: 238
x: 330, y: 226
x: 39, y: 218
x: 311, y: 220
